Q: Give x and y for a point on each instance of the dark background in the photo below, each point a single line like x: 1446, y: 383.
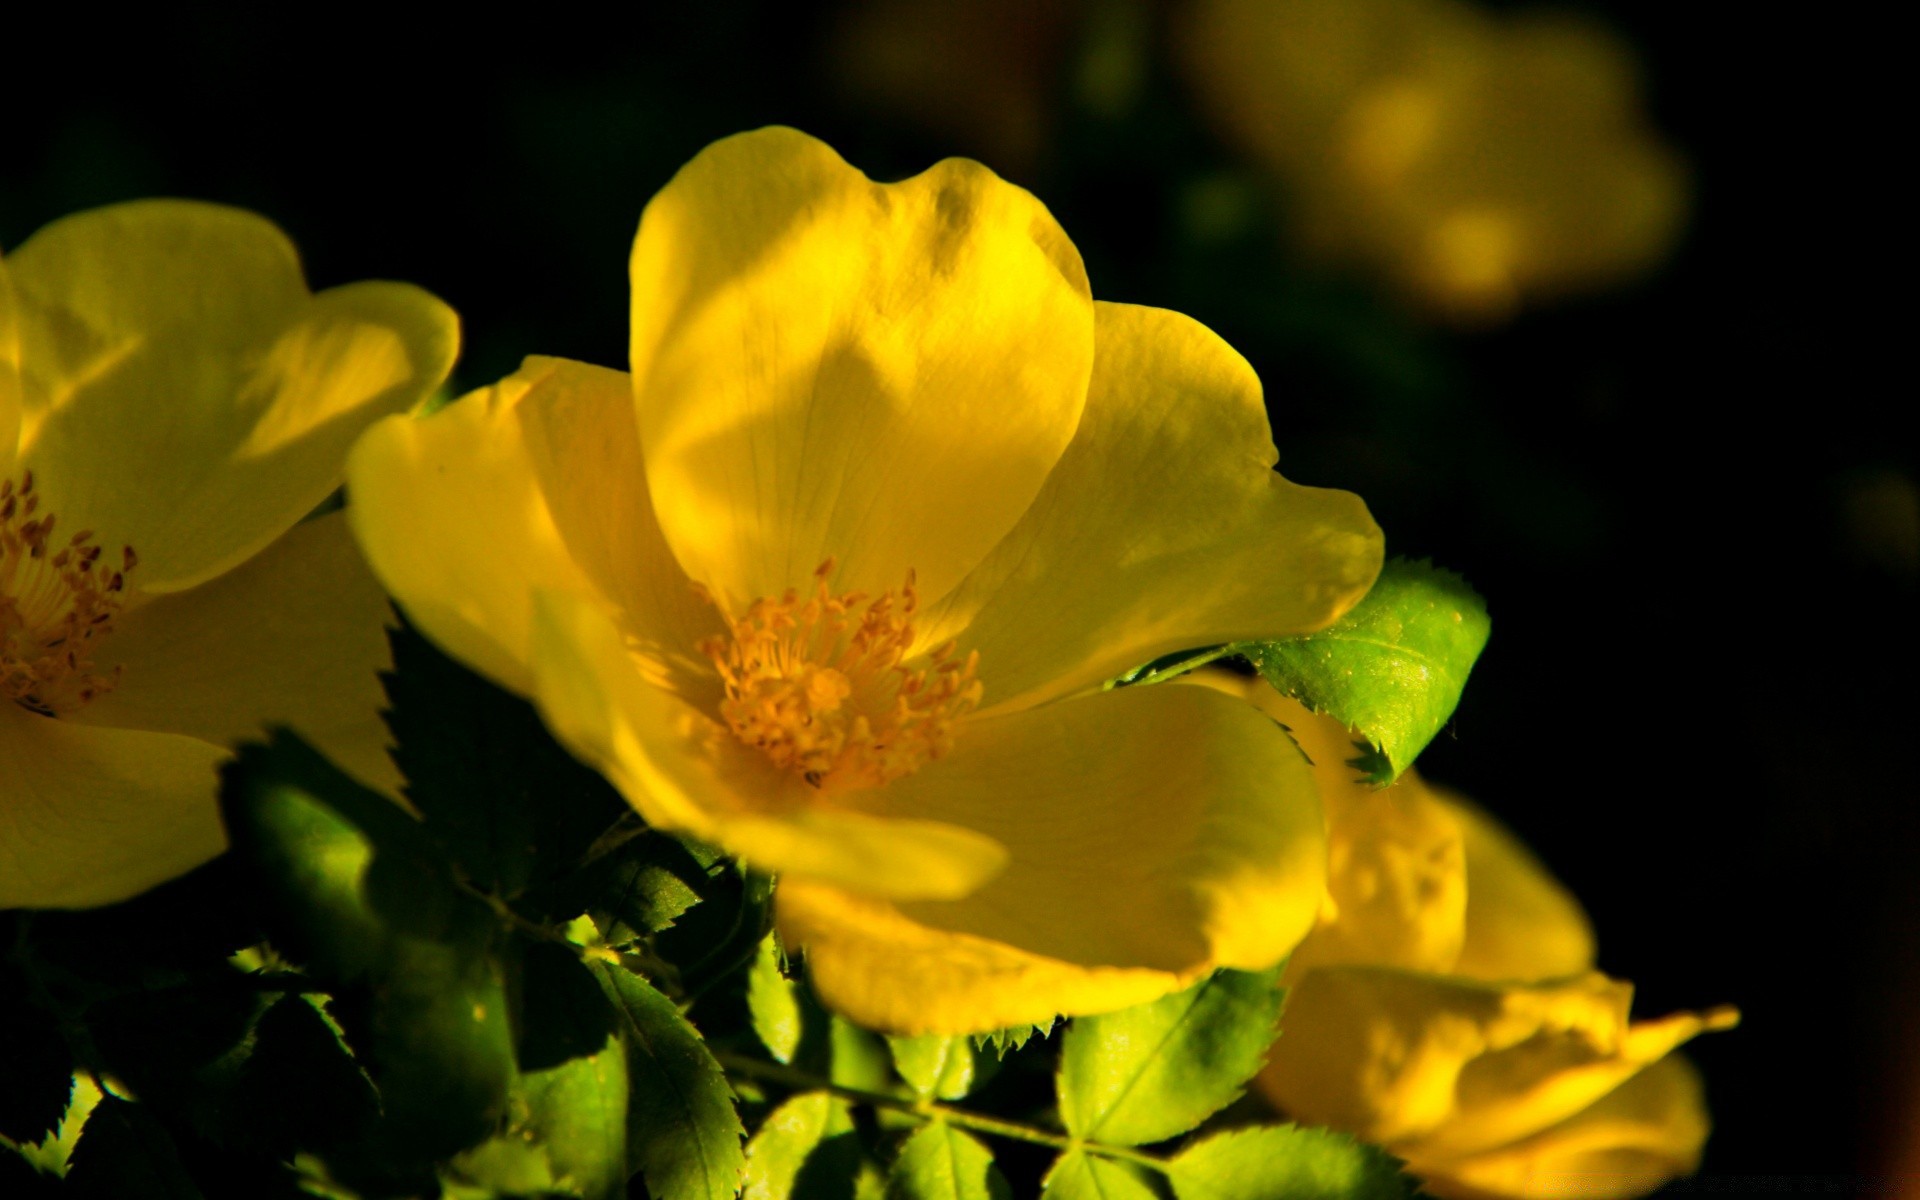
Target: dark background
x: 1698, y: 700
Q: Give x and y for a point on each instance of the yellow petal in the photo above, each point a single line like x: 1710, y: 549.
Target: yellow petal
x: 457, y: 513
x: 1437, y: 1067
x: 584, y: 447
x: 887, y: 972
x: 9, y: 373
x: 294, y: 636
x: 1397, y: 883
x: 1645, y: 1132
x: 1521, y: 922
x: 1166, y: 829
x: 449, y: 511
x: 90, y: 816
x: 185, y: 395
x: 826, y: 367
x: 684, y: 771
x: 1163, y: 527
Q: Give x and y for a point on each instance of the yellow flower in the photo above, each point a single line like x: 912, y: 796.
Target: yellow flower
x: 1446, y: 1006
x: 173, y: 401
x: 1475, y: 160
x: 833, y: 580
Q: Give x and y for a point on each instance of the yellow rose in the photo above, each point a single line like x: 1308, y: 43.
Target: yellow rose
x: 1476, y: 160
x: 1446, y: 1006
x: 834, y: 578
x: 173, y: 400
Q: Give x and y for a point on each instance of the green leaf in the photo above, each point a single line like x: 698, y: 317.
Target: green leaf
x: 442, y: 1050
x: 1077, y: 1175
x: 362, y: 895
x: 1148, y: 1073
x: 639, y: 884
x: 312, y: 860
x: 683, y: 1132
x: 508, y: 803
x: 773, y: 1002
x: 1005, y: 1041
x: 941, y: 1163
x: 125, y: 1154
x: 1286, y: 1160
x: 805, y: 1150
x: 944, y: 1068
x: 576, y: 1113
x: 1393, y: 668
x: 301, y: 1085
x: 38, y: 1080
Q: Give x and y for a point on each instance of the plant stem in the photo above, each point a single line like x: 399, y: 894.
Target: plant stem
x: 928, y: 1110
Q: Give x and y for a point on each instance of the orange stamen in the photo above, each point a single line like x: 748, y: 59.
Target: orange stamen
x: 821, y: 685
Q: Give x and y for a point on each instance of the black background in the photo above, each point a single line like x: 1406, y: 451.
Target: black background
x: 1698, y: 701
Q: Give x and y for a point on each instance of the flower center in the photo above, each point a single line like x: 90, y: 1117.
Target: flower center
x: 819, y: 684
x: 57, y: 601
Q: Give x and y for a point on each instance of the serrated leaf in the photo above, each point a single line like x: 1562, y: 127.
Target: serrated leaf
x: 805, y: 1150
x: 1077, y: 1175
x: 298, y: 1053
x: 508, y: 803
x: 638, y: 886
x: 1005, y: 1041
x: 773, y: 1003
x: 125, y: 1154
x: 49, y: 1155
x: 1286, y: 1160
x: 722, y: 933
x: 563, y: 1012
x: 1392, y: 669
x: 683, y: 1132
x: 37, y: 1083
x: 940, y: 1162
x: 944, y: 1068
x: 1151, y: 1072
x: 363, y: 895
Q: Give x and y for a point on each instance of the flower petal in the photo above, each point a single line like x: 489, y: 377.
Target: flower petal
x: 826, y: 367
x: 185, y: 396
x: 1163, y: 527
x: 1397, y: 882
x: 683, y: 771
x: 1152, y: 834
x: 294, y: 636
x: 1434, y: 1067
x: 888, y: 972
x: 585, y: 450
x: 1646, y: 1131
x: 9, y: 372
x: 457, y: 514
x: 1521, y: 922
x: 449, y: 511
x: 91, y: 816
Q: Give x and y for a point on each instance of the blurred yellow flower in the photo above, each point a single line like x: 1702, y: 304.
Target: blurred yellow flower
x: 173, y: 400
x: 1446, y: 1006
x: 1477, y: 161
x: 833, y: 579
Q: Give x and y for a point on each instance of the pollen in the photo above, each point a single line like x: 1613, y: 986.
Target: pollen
x: 824, y: 686
x: 58, y: 600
